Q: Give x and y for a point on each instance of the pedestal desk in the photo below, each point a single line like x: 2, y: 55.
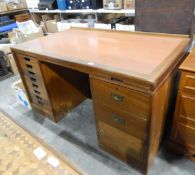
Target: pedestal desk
x: 128, y: 75
x: 182, y: 138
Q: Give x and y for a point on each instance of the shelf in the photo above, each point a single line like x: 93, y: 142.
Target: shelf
x: 126, y: 11
x: 13, y: 11
x: 130, y: 12
x: 3, y: 33
x: 63, y: 11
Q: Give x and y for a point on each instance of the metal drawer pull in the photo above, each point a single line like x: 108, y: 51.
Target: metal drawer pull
x: 34, y: 85
x: 118, y: 119
x: 38, y: 97
x: 33, y: 79
x: 40, y: 102
x: 37, y: 92
x: 101, y: 131
x: 116, y: 79
x: 29, y: 66
x: 31, y: 73
x: 27, y: 59
x: 117, y: 97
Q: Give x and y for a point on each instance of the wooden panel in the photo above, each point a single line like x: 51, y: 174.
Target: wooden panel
x: 187, y: 81
x: 160, y: 104
x: 34, y: 84
x: 121, y: 120
x: 189, y: 63
x: 66, y: 88
x: 98, y: 51
x: 162, y: 16
x: 120, y: 143
x: 28, y: 65
x: 187, y: 121
x: 187, y: 105
x: 118, y: 97
x: 182, y: 138
x: 186, y: 135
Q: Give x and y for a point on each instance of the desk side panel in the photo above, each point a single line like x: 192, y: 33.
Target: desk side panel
x: 31, y: 76
x: 67, y: 88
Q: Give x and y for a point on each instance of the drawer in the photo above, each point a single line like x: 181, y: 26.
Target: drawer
x: 121, y: 120
x: 187, y: 105
x: 187, y: 81
x: 118, y: 97
x: 39, y: 100
x: 187, y: 121
x: 121, y: 144
x: 34, y: 83
x: 28, y: 65
x: 186, y: 135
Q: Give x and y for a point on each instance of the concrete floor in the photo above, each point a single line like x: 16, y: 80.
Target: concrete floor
x: 75, y: 138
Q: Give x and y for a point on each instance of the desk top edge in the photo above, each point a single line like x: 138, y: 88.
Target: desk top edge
x: 149, y: 78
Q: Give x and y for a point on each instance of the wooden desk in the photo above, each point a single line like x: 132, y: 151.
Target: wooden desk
x: 182, y: 139
x: 128, y: 74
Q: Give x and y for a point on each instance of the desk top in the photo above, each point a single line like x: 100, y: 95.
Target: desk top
x: 140, y: 55
x: 189, y: 63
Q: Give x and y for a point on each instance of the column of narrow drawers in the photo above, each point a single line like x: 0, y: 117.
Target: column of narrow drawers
x: 121, y: 116
x: 33, y: 79
x: 184, y: 120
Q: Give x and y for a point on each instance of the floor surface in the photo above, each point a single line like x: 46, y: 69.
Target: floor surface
x: 75, y: 138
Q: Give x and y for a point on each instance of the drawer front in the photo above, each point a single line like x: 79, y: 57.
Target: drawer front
x: 186, y: 135
x: 39, y: 100
x: 33, y: 79
x: 118, y: 97
x: 187, y: 81
x: 125, y: 122
x: 37, y: 91
x: 187, y: 121
x: 29, y: 65
x: 121, y: 144
x: 187, y: 105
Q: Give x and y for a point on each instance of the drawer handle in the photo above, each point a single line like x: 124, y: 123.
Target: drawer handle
x: 34, y: 85
x: 38, y: 97
x: 29, y: 66
x: 118, y: 119
x: 40, y: 102
x: 37, y: 92
x: 27, y: 59
x: 101, y: 131
x: 117, y: 97
x: 33, y: 79
x: 116, y: 79
x: 31, y: 73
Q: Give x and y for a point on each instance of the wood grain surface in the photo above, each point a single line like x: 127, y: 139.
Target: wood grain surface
x: 145, y: 56
x: 182, y: 137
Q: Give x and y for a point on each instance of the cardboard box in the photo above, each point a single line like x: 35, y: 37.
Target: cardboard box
x: 22, y: 17
x: 129, y: 4
x: 34, y: 35
x: 3, y: 7
x: 15, y: 4
x: 12, y: 64
x: 23, y: 38
x: 113, y: 4
x: 51, y: 26
x: 11, y: 6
